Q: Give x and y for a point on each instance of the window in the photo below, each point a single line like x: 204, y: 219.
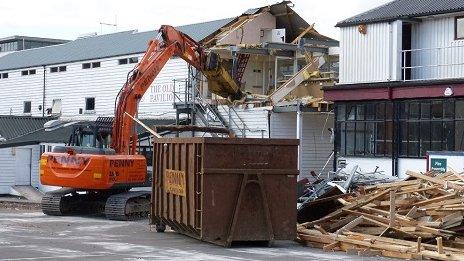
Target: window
x: 3, y: 75
x: 27, y: 107
x: 128, y: 60
x: 459, y: 28
x: 133, y: 60
x: 58, y: 69
x: 364, y: 129
x: 91, y: 65
x: 28, y: 72
x: 90, y: 104
x: 426, y: 125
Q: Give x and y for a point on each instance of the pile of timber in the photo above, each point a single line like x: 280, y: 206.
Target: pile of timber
x: 421, y: 217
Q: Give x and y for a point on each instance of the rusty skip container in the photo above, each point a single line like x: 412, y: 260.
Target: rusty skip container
x: 223, y: 190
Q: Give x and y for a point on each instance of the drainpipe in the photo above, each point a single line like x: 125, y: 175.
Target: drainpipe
x: 299, y: 134
x: 43, y: 91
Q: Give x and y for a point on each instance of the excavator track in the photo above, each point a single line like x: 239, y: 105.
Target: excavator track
x: 69, y: 202
x: 131, y: 205
x: 51, y: 205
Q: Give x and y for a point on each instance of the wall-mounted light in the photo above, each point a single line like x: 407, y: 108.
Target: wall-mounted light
x: 362, y: 28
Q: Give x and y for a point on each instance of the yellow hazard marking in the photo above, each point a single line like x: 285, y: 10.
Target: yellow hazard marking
x: 97, y: 175
x: 43, y: 162
x: 174, y: 182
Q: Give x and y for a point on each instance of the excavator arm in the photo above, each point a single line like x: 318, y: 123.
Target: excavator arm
x: 170, y: 42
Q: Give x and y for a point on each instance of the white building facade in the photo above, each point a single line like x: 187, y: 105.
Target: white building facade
x: 401, y: 85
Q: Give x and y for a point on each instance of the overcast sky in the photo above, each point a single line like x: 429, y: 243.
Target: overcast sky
x: 67, y: 19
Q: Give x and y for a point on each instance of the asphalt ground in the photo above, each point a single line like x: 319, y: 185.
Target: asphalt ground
x: 27, y: 234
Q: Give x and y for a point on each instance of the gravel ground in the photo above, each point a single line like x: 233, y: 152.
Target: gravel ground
x: 27, y: 234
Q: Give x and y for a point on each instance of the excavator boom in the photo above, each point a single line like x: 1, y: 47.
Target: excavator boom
x: 170, y: 42
x: 100, y: 177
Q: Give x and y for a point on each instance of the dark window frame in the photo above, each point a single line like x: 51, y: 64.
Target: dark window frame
x: 419, y: 126
x: 361, y: 122
x: 27, y: 107
x: 123, y: 61
x: 96, y: 64
x: 86, y: 66
x: 456, y: 28
x: 87, y: 99
x: 4, y: 76
x: 133, y: 60
x: 53, y: 69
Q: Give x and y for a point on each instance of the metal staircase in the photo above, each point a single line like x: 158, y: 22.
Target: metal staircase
x: 242, y: 60
x: 190, y: 102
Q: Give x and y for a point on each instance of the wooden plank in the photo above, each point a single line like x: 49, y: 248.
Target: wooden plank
x: 356, y: 204
x: 412, y: 212
x: 331, y: 246
x: 438, y: 181
x: 393, y: 184
x: 419, y: 247
x: 434, y: 200
x: 440, y: 245
x: 351, y: 225
x: 392, y: 208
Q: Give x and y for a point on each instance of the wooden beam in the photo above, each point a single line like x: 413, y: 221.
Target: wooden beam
x: 295, y: 41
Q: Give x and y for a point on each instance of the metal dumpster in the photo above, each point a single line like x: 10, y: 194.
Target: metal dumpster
x: 223, y: 190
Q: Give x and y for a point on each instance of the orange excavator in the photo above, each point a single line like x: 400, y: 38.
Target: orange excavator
x: 100, y: 164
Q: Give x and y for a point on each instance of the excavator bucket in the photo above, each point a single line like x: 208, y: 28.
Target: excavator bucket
x: 220, y: 82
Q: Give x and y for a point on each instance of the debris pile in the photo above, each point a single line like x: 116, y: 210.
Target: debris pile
x: 323, y: 192
x: 421, y: 217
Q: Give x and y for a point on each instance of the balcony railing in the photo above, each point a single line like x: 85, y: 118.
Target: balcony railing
x: 433, y: 63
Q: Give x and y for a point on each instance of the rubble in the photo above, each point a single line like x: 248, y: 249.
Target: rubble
x: 420, y: 217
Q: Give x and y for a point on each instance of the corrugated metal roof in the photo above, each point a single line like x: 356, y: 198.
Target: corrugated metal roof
x: 16, y: 126
x: 402, y: 9
x: 96, y: 47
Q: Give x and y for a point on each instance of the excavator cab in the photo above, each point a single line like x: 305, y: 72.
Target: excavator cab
x: 90, y: 136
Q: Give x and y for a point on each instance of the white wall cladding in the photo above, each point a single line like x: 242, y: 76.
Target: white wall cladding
x: 8, y: 169
x: 17, y: 88
x: 433, y: 35
x: 103, y: 83
x: 256, y: 119
x: 315, y: 142
x: 75, y: 84
x: 365, y: 57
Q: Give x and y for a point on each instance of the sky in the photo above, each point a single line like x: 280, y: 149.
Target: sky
x: 68, y: 19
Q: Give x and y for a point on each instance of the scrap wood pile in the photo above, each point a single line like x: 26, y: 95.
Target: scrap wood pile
x: 421, y: 217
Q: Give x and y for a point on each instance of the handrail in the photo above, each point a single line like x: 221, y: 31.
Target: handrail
x: 192, y: 94
x: 428, y: 63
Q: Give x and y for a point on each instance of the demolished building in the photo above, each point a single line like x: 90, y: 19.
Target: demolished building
x: 279, y: 59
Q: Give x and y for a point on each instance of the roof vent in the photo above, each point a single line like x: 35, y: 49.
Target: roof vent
x: 87, y: 35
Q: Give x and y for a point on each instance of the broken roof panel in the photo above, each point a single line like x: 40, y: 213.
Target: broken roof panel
x: 404, y: 9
